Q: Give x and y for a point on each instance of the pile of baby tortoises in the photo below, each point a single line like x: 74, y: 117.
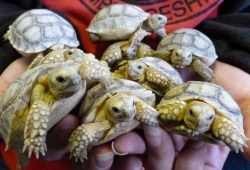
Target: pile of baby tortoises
x: 131, y: 84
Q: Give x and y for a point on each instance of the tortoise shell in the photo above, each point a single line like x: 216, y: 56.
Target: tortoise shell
x: 36, y: 30
x: 16, y: 100
x: 156, y: 64
x: 192, y: 39
x: 222, y: 102
x: 117, y: 21
x: 98, y: 94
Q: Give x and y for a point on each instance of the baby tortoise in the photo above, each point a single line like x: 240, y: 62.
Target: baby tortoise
x: 185, y: 48
x: 41, y: 97
x: 124, y: 49
x: 203, y: 111
x: 60, y: 56
x: 110, y: 113
x: 37, y: 30
x: 120, y: 21
x: 153, y: 73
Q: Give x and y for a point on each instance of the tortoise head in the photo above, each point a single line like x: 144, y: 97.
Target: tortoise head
x: 181, y: 57
x: 120, y: 108
x: 157, y: 21
x: 64, y: 82
x: 129, y: 51
x: 136, y: 71
x: 74, y: 54
x: 199, y: 116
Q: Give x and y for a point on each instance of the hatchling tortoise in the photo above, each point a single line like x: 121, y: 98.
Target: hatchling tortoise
x: 120, y: 21
x: 38, y: 99
x: 124, y: 49
x: 38, y: 30
x: 59, y: 56
x: 185, y: 48
x: 153, y: 73
x: 203, y: 111
x: 111, y: 112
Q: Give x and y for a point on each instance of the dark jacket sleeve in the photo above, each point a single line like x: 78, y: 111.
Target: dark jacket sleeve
x: 9, y: 11
x: 230, y: 32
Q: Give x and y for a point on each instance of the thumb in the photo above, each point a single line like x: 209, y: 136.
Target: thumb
x: 160, y: 148
x: 99, y: 158
x: 58, y: 137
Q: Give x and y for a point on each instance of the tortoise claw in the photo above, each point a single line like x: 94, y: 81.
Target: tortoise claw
x: 78, y: 143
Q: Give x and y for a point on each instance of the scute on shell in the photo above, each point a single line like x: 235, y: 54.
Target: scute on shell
x: 117, y: 21
x: 36, y: 30
x: 215, y: 95
x: 192, y: 39
x: 99, y: 93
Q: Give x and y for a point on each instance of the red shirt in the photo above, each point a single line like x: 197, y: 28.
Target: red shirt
x: 180, y: 14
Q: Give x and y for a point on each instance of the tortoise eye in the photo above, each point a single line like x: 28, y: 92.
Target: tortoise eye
x: 160, y: 18
x: 140, y: 67
x: 115, y: 109
x: 210, y: 118
x: 70, y: 52
x: 177, y: 54
x: 191, y: 112
x: 61, y: 79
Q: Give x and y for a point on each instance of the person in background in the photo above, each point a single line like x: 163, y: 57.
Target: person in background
x: 225, y: 22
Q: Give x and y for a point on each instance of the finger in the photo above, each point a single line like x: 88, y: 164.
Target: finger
x: 178, y: 141
x: 13, y: 71
x: 161, y: 152
x: 216, y: 156
x: 192, y: 156
x: 58, y: 137
x: 242, y: 97
x: 129, y: 143
x: 128, y: 162
x: 100, y: 158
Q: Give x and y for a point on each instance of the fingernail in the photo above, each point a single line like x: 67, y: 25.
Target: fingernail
x: 153, y: 135
x: 115, y: 151
x: 104, y: 160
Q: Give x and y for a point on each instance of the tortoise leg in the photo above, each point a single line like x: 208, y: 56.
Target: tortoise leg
x: 95, y: 71
x: 83, y: 136
x: 36, y: 128
x: 229, y: 133
x: 39, y: 57
x: 113, y: 53
x: 159, y: 78
x: 146, y: 114
x: 203, y: 70
x: 171, y: 111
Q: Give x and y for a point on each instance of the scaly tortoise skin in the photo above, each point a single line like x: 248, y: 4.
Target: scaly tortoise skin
x: 153, y: 73
x: 124, y: 49
x: 203, y: 111
x: 108, y: 113
x: 60, y: 56
x: 120, y: 21
x: 31, y: 103
x: 38, y: 30
x: 185, y: 47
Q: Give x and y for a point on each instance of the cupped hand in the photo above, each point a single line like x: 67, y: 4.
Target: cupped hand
x: 170, y: 151
x: 156, y: 148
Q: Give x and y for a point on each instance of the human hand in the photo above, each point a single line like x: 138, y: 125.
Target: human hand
x: 163, y: 151
x: 172, y: 147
